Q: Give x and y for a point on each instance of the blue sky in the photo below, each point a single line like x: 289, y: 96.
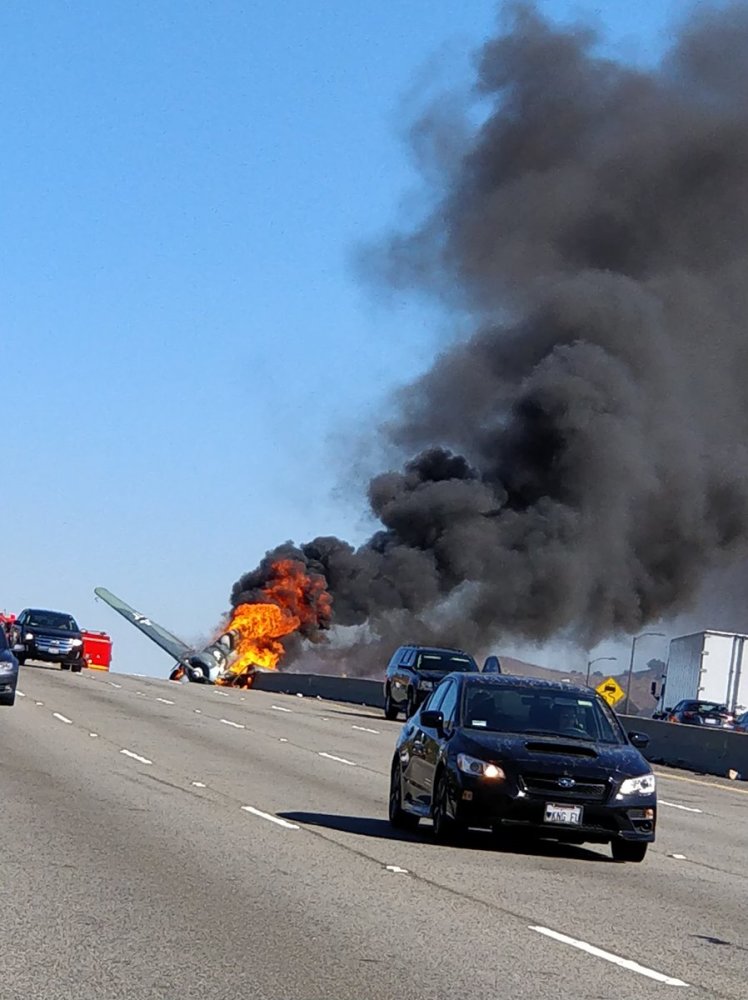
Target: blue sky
x: 193, y: 370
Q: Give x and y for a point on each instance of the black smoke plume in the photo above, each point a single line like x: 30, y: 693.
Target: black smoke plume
x: 581, y: 459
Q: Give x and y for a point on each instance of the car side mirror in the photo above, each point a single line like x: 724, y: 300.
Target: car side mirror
x: 433, y: 720
x: 639, y: 740
x: 668, y: 711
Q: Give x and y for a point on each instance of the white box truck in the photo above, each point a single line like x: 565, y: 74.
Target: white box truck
x: 708, y: 666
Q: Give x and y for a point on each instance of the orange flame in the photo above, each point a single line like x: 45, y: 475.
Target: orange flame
x: 292, y: 601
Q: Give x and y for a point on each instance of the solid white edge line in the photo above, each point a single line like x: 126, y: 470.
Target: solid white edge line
x: 62, y: 718
x: 340, y: 760
x: 271, y: 819
x: 674, y: 805
x: 228, y: 722
x: 624, y: 963
x: 136, y: 756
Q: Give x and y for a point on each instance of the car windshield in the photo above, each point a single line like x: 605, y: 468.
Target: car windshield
x: 445, y: 662
x: 540, y: 712
x: 51, y: 619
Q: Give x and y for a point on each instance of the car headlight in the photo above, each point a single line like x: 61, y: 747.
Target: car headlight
x: 426, y: 685
x: 644, y: 785
x: 77, y: 642
x: 28, y: 637
x: 479, y: 768
x: 6, y: 667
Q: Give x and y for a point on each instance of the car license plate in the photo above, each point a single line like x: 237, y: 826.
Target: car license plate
x: 567, y: 815
x: 54, y: 649
x: 711, y: 722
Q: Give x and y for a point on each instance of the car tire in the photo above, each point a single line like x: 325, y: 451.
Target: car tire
x: 446, y: 829
x: 628, y: 850
x: 391, y: 710
x: 399, y: 818
x: 7, y: 700
x: 21, y: 659
x: 76, y: 668
x: 64, y: 666
x: 410, y: 704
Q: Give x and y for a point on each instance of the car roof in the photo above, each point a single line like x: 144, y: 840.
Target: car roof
x: 48, y: 611
x: 439, y: 649
x: 530, y: 683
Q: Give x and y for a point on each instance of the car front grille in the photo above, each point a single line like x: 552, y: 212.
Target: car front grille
x: 547, y: 786
x: 44, y: 644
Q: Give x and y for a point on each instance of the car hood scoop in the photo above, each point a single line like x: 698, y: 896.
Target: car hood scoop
x: 562, y: 748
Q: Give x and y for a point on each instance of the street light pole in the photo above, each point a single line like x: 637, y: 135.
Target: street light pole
x: 596, y: 660
x: 631, y: 663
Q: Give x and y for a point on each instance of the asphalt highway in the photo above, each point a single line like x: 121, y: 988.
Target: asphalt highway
x: 167, y: 841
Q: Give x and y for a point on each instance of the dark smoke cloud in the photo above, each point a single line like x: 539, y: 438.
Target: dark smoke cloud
x: 581, y: 459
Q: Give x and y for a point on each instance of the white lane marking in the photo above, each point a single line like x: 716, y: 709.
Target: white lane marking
x: 279, y: 708
x: 223, y: 694
x: 283, y: 740
x: 197, y: 711
x: 20, y: 693
x: 140, y: 693
x: 115, y: 685
x: 94, y: 735
x: 397, y: 869
x: 62, y: 718
x: 136, y: 756
x: 624, y: 963
x: 198, y: 784
x: 271, y: 819
x: 678, y: 857
x: 363, y: 729
x: 38, y: 702
x: 228, y: 722
x: 340, y: 760
x: 165, y: 701
x: 674, y: 805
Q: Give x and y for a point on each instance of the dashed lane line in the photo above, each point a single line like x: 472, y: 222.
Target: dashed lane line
x: 363, y: 729
x: 676, y: 805
x: 271, y: 819
x: 62, y: 718
x: 340, y: 760
x: 279, y: 708
x: 236, y: 725
x: 136, y: 756
x: 624, y: 963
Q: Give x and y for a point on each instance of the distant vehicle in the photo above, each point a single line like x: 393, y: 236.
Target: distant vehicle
x: 8, y: 672
x: 414, y: 672
x: 492, y: 665
x: 541, y: 757
x: 701, y: 713
x: 49, y: 636
x: 704, y: 666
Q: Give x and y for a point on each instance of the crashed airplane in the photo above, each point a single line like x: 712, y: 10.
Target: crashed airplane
x: 209, y: 665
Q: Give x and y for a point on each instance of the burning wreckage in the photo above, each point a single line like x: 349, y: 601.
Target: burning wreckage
x: 290, y: 602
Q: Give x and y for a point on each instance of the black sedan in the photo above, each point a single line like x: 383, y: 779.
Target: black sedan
x: 701, y: 713
x: 8, y: 672
x: 522, y: 754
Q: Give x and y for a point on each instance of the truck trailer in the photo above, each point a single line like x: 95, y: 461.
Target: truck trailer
x: 706, y: 666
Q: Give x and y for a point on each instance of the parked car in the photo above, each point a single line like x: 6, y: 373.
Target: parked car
x: 540, y: 757
x: 701, y: 713
x: 413, y: 673
x: 50, y: 636
x: 8, y: 672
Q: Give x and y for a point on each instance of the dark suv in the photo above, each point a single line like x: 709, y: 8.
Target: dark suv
x: 51, y: 636
x: 414, y: 672
x: 525, y: 755
x: 8, y: 672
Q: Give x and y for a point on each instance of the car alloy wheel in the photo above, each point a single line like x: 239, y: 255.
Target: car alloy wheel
x: 390, y: 708
x: 446, y: 830
x: 399, y: 818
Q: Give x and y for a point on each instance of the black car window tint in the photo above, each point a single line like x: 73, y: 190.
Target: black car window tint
x: 408, y: 657
x: 3, y: 639
x: 436, y: 699
x: 449, y: 705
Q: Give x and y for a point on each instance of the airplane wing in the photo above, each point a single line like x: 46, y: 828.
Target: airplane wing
x: 168, y: 642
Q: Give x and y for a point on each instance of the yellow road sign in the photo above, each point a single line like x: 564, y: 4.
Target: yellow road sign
x: 611, y: 690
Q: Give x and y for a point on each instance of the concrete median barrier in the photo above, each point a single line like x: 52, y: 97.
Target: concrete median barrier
x: 694, y: 748
x: 346, y: 689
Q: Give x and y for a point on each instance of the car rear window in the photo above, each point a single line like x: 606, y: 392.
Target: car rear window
x: 539, y: 712
x: 446, y: 662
